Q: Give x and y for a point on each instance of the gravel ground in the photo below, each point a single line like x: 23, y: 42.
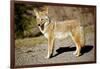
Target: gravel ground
x: 63, y: 53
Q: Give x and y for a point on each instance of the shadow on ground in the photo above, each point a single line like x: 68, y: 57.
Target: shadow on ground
x: 84, y: 49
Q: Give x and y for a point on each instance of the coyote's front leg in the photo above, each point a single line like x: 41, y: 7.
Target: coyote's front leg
x: 50, y: 46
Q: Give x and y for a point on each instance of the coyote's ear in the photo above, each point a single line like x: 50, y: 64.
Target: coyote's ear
x: 36, y: 12
x: 44, y: 9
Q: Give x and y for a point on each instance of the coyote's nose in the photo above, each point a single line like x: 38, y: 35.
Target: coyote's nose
x: 38, y: 24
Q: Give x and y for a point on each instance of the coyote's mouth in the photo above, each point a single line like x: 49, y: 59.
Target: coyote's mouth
x: 42, y: 27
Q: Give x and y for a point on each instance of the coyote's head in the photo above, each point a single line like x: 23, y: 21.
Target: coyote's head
x: 42, y: 17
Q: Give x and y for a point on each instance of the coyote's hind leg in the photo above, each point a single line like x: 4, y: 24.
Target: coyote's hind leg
x: 76, y: 38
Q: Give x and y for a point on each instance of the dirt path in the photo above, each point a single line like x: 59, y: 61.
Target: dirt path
x: 63, y: 53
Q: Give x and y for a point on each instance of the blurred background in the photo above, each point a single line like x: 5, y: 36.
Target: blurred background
x: 25, y: 19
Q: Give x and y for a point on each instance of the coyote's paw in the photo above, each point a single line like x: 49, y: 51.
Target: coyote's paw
x: 47, y: 57
x: 77, y: 53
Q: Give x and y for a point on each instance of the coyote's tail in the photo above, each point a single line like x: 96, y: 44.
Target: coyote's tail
x: 82, y: 34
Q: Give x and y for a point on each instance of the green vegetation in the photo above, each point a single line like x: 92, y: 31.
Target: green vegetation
x: 25, y: 22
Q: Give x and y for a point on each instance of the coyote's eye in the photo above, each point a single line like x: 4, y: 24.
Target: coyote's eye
x: 42, y: 19
x: 47, y: 19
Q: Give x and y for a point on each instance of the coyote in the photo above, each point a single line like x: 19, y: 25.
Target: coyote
x: 59, y: 30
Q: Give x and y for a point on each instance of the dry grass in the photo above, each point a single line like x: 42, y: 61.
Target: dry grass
x: 30, y: 41
x: 89, y: 29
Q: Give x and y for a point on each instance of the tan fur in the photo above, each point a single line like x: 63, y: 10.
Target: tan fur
x: 58, y: 30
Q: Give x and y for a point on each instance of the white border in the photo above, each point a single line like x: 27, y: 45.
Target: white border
x: 5, y: 34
